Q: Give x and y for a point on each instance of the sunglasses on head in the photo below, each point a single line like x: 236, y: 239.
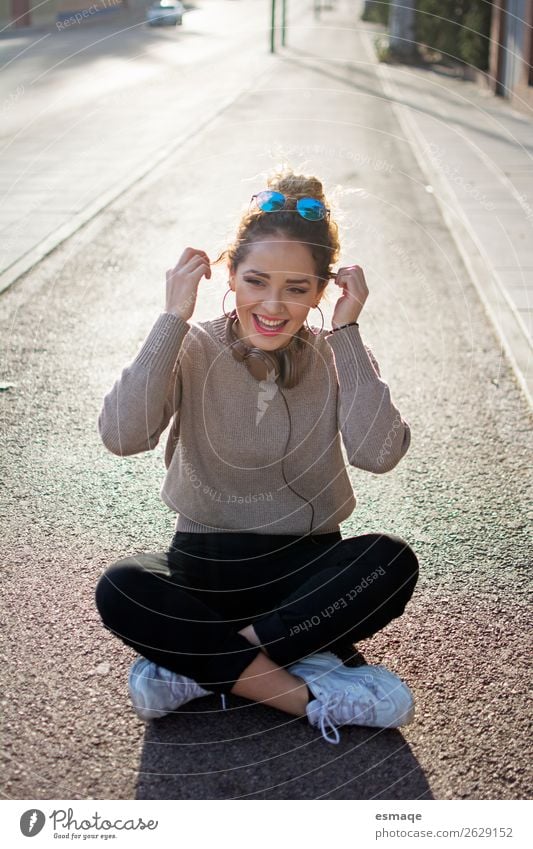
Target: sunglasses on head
x: 309, y: 208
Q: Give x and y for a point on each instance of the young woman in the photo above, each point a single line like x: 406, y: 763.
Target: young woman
x: 258, y: 587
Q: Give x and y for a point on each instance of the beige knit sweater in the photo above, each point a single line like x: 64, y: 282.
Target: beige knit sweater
x: 232, y: 464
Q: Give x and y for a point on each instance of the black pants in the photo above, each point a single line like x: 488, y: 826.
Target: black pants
x: 183, y: 608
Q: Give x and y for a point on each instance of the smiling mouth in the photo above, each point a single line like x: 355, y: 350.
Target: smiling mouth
x: 264, y: 325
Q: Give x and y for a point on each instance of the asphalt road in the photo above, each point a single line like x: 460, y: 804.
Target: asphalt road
x: 459, y: 497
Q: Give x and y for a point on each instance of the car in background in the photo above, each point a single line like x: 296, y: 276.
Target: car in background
x: 163, y: 12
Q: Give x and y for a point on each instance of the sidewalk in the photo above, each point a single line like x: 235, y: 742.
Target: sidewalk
x: 476, y: 153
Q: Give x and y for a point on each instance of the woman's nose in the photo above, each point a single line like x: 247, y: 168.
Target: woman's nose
x: 274, y: 306
x: 275, y: 303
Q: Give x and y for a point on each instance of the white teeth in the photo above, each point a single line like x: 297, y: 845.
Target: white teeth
x: 267, y: 323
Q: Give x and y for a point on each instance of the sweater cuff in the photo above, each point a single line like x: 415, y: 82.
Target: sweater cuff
x: 351, y: 358
x: 160, y: 349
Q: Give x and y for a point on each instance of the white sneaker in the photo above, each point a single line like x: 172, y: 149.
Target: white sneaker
x: 361, y: 695
x: 156, y: 691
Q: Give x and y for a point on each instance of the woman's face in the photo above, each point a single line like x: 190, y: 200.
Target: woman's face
x: 276, y: 281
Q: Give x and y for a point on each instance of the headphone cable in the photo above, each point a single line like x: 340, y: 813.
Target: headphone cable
x: 283, y: 472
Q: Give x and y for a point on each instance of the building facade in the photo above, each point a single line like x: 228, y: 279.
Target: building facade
x: 511, y: 52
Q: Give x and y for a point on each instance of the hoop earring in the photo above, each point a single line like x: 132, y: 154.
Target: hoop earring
x: 234, y: 311
x: 322, y: 328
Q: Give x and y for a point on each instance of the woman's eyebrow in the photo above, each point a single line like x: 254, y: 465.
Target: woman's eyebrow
x: 264, y: 274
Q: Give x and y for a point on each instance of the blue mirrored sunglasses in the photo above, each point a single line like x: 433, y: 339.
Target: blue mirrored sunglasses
x: 309, y: 208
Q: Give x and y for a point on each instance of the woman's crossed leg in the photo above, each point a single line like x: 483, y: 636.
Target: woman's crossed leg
x: 359, y: 585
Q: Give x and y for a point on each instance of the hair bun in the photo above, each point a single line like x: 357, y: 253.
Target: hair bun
x: 321, y: 236
x: 296, y: 185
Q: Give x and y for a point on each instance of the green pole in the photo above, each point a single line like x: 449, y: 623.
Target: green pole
x: 272, y: 26
x: 283, y: 21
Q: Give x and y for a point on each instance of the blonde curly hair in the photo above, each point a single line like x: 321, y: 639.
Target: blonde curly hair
x: 322, y: 236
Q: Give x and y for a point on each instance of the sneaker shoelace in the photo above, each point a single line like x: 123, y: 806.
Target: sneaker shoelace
x: 343, y: 700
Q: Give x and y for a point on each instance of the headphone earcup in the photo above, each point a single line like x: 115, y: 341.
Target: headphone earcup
x: 284, y: 363
x: 261, y: 364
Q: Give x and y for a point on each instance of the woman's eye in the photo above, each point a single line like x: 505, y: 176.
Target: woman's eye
x: 260, y: 283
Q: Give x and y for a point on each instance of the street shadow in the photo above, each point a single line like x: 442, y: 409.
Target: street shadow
x: 294, y: 56
x: 250, y: 751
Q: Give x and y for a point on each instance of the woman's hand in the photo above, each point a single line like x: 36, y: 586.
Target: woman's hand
x: 183, y: 280
x: 351, y: 279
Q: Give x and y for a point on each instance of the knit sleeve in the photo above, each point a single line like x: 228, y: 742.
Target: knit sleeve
x: 139, y: 406
x: 374, y: 433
